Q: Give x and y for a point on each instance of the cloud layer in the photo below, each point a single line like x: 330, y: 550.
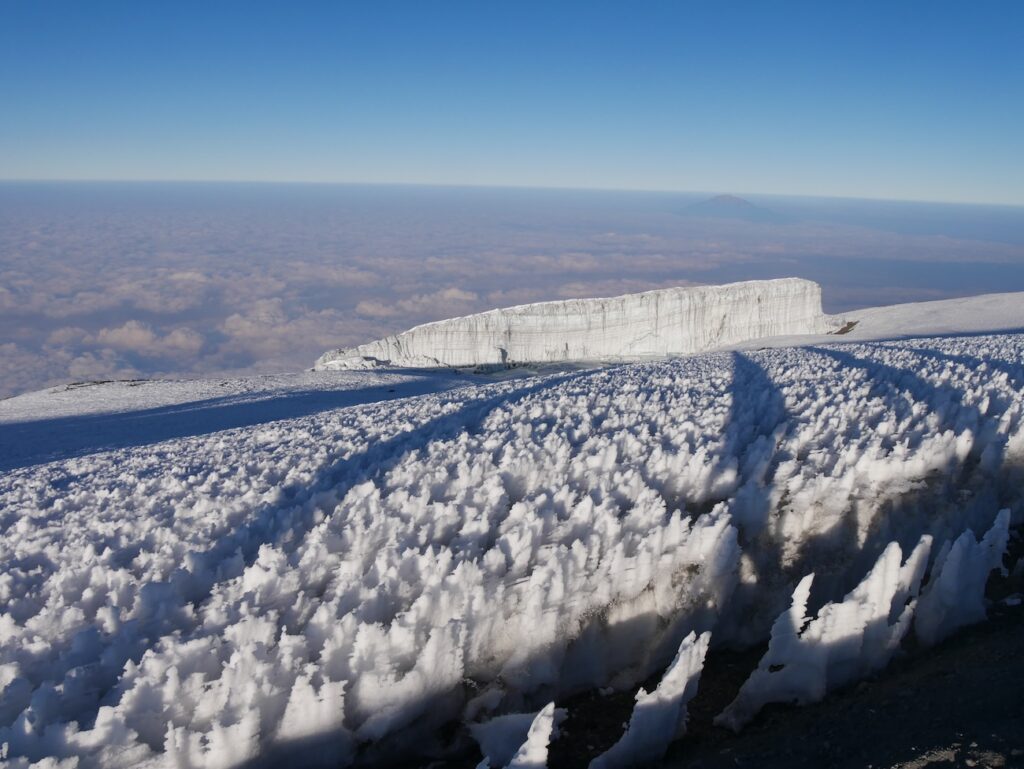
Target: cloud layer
x: 127, y: 281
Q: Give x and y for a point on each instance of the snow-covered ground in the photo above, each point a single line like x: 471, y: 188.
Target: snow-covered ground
x: 986, y: 314
x: 968, y: 315
x: 344, y: 578
x: 87, y: 417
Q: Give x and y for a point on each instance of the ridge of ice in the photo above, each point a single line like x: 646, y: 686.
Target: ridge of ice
x: 670, y: 321
x: 955, y: 593
x: 533, y: 753
x: 659, y: 716
x: 500, y: 737
x: 846, y: 641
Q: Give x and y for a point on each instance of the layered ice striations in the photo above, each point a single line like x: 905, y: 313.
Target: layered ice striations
x: 654, y: 323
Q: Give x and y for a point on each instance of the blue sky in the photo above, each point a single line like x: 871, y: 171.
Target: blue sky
x: 901, y: 100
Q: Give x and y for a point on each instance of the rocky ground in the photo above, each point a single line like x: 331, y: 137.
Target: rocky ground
x: 960, y: 704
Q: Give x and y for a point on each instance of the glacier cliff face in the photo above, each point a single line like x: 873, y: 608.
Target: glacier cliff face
x: 662, y: 322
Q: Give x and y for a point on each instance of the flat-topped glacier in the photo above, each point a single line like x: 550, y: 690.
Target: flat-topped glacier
x: 653, y: 323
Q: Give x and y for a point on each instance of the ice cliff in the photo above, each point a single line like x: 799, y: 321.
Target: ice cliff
x: 663, y: 322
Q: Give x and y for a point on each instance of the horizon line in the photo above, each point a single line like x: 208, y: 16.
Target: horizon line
x: 539, y: 187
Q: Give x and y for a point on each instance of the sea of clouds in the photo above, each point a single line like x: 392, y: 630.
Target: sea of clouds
x: 103, y: 281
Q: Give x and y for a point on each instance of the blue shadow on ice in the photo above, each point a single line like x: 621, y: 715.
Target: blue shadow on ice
x: 944, y: 399
x: 1014, y: 373
x: 23, y: 444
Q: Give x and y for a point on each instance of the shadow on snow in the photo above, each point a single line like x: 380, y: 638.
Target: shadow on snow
x: 23, y: 444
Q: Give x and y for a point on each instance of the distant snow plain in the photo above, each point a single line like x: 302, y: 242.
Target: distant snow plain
x: 335, y: 568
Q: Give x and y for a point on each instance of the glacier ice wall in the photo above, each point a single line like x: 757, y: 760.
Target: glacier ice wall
x: 663, y: 322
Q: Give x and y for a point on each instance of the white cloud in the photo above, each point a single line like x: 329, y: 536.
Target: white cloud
x: 184, y: 340
x: 140, y: 338
x: 439, y: 303
x: 66, y: 335
x: 372, y: 308
x: 133, y: 335
x: 103, y: 364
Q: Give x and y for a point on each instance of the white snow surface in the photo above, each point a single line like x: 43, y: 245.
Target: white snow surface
x: 965, y: 315
x: 342, y: 583
x: 501, y: 737
x: 955, y: 595
x: 985, y: 314
x: 659, y: 716
x: 84, y: 417
x: 671, y: 321
x: 533, y: 753
x: 124, y: 396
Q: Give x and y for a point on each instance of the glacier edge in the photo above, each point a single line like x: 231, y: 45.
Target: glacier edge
x: 669, y: 321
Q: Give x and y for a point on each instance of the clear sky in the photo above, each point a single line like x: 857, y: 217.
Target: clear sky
x: 904, y: 100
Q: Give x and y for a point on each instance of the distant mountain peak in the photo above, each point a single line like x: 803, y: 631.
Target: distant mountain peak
x: 730, y: 200
x: 733, y: 207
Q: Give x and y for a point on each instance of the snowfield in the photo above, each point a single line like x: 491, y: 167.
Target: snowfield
x: 343, y: 585
x: 85, y: 417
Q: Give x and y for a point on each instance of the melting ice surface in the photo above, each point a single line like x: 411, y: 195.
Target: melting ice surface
x: 343, y: 585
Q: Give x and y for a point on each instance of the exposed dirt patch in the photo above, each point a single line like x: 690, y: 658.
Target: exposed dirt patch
x: 959, y: 704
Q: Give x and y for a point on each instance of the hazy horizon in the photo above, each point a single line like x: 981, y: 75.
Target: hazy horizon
x: 695, y: 193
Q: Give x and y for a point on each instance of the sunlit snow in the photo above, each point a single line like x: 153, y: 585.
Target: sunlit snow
x: 346, y: 583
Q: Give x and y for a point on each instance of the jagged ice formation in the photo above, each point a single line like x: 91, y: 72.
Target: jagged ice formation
x: 846, y: 641
x: 365, y: 582
x: 659, y: 716
x: 955, y: 594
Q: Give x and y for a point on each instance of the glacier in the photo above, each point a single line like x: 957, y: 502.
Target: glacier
x: 670, y: 321
x: 373, y: 581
